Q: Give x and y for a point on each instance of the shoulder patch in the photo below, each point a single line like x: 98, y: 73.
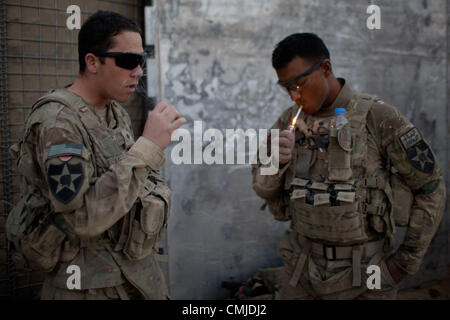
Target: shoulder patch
x: 418, y: 151
x: 410, y: 138
x: 65, y: 149
x: 65, y: 180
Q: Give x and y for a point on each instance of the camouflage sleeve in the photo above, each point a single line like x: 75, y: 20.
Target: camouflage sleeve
x: 270, y: 187
x: 404, y: 148
x: 97, y: 203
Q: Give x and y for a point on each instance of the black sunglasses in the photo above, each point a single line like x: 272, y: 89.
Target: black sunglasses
x: 127, y: 60
x: 293, y: 84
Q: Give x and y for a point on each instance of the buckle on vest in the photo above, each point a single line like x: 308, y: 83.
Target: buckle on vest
x: 329, y: 252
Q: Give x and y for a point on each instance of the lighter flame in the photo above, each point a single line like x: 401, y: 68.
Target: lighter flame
x: 294, y: 121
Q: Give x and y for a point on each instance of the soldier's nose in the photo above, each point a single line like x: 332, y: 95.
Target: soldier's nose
x: 137, y: 72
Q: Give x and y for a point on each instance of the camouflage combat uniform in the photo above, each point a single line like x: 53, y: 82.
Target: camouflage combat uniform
x: 107, y: 203
x: 345, y: 192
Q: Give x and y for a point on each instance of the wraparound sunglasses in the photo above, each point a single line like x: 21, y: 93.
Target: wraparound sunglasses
x: 127, y: 60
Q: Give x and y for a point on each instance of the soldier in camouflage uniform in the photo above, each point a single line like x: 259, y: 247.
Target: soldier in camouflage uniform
x: 97, y: 192
x: 346, y: 190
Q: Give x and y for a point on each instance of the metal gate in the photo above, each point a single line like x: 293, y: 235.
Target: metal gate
x: 37, y: 53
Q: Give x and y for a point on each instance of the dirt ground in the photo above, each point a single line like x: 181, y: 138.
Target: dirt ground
x: 435, y: 290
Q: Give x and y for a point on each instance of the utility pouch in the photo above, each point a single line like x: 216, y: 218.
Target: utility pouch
x: 317, y: 218
x: 339, y: 158
x: 42, y: 247
x: 150, y: 220
x: 37, y: 242
x: 321, y: 221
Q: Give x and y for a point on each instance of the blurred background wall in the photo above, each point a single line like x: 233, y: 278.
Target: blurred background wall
x: 213, y: 62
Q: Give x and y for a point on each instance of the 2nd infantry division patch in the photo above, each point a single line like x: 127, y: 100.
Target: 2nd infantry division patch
x: 65, y: 180
x: 418, y: 151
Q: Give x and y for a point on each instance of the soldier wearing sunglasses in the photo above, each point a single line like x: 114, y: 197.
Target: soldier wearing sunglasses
x: 93, y: 195
x: 345, y: 191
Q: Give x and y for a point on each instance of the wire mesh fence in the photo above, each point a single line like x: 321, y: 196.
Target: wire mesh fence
x: 38, y: 53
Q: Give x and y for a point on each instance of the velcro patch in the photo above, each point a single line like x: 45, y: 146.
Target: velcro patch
x: 298, y: 194
x: 65, y: 149
x: 319, y: 186
x: 411, y: 138
x: 346, y: 196
x: 421, y: 157
x: 65, y: 180
x: 299, y: 182
x: 417, y: 150
x: 321, y: 199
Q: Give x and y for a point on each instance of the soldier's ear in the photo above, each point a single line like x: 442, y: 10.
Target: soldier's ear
x: 92, y: 62
x: 327, y: 68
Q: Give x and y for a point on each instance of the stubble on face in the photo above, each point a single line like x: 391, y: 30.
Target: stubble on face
x: 116, y: 80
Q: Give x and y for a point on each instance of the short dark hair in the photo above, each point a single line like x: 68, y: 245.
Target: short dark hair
x: 304, y: 45
x: 97, y: 32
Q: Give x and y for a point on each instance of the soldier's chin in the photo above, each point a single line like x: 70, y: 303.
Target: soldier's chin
x: 123, y: 98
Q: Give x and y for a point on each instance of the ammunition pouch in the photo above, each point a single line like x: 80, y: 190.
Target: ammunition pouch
x: 327, y: 212
x: 37, y: 241
x: 376, y: 203
x: 148, y: 222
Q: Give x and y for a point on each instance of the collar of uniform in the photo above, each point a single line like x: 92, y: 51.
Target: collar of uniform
x: 83, y: 102
x: 341, y: 101
x: 109, y: 117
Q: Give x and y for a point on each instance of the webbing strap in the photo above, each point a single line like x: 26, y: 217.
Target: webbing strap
x: 300, y: 265
x: 122, y: 292
x: 356, y: 264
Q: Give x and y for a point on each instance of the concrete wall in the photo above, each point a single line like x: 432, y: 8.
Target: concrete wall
x: 215, y: 67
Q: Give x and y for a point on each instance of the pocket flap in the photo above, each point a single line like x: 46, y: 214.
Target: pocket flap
x: 343, y: 187
x: 299, y: 182
x: 47, y: 243
x: 346, y: 196
x: 319, y: 186
x: 298, y: 194
x: 321, y: 199
x: 153, y: 215
x: 156, y: 205
x: 344, y: 138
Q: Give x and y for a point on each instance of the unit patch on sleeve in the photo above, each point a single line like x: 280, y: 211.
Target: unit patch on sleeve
x: 417, y: 150
x: 65, y: 180
x: 65, y: 173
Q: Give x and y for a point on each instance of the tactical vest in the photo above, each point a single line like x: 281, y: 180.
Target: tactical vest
x: 135, y: 235
x: 342, y: 207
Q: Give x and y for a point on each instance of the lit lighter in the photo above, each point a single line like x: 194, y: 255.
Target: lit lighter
x: 294, y: 121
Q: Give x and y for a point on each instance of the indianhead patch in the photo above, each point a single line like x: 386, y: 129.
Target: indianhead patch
x: 417, y: 150
x: 65, y: 180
